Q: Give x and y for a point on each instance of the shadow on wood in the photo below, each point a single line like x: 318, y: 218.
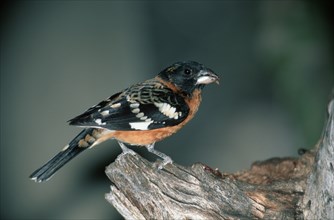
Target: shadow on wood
x: 281, y: 188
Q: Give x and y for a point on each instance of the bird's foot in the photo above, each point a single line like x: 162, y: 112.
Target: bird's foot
x: 166, y: 159
x: 125, y: 149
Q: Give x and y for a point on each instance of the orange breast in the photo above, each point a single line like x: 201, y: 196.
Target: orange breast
x: 150, y: 136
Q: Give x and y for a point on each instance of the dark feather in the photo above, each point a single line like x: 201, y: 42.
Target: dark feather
x: 116, y: 112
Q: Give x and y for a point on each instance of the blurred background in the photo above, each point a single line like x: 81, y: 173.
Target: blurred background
x: 60, y: 57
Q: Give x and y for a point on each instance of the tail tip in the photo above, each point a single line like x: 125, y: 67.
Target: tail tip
x: 38, y: 179
x: 35, y: 179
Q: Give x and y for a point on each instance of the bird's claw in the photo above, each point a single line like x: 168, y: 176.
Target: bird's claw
x: 166, y: 160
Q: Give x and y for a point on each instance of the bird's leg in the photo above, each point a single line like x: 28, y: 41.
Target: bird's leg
x: 166, y: 159
x: 125, y: 149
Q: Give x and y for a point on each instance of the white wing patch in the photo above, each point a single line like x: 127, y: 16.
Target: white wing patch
x: 134, y: 105
x: 167, y: 110
x: 140, y: 115
x: 143, y: 118
x: 140, y: 125
x: 135, y: 110
x: 105, y: 113
x: 116, y: 105
x: 146, y: 121
x: 99, y: 121
x: 65, y: 148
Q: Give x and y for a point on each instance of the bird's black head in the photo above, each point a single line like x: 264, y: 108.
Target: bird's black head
x: 188, y: 76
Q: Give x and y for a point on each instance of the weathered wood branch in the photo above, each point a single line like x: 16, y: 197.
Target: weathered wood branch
x: 278, y: 188
x: 318, y: 201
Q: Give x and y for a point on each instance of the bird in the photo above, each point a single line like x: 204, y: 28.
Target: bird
x: 141, y: 115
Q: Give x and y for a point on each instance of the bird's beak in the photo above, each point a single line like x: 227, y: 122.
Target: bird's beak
x: 207, y: 77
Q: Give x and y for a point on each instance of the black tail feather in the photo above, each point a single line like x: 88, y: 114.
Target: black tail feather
x: 46, y: 171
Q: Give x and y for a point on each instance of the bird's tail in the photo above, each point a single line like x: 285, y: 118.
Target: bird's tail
x: 81, y: 142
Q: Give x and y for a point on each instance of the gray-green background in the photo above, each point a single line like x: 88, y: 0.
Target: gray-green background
x: 59, y: 58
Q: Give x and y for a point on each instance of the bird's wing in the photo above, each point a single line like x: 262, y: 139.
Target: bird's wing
x: 143, y: 106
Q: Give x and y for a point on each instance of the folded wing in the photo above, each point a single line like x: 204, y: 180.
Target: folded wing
x: 142, y: 107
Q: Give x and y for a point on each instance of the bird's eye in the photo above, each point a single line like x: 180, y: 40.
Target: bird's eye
x: 187, y: 71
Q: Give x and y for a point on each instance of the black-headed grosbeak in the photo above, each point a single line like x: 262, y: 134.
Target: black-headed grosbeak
x: 142, y: 114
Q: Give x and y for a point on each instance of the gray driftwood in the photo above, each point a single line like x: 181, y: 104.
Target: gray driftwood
x: 278, y: 188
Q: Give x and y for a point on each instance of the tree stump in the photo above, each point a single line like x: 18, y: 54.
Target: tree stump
x: 277, y: 188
